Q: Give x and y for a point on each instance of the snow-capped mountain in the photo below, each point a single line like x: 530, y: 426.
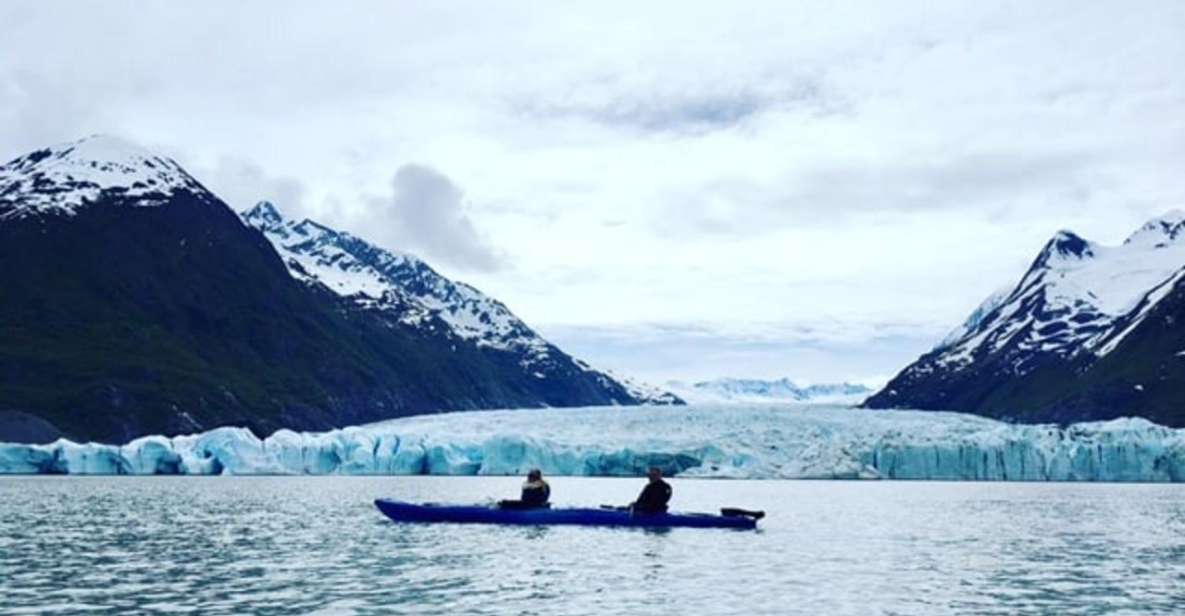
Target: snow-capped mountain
x: 374, y: 277
x: 61, y: 179
x: 409, y: 290
x: 1041, y: 349
x: 136, y: 301
x: 729, y: 390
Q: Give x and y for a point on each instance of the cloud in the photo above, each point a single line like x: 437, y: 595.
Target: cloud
x: 36, y: 112
x: 426, y: 215
x: 997, y: 184
x: 782, y: 162
x: 683, y: 107
x: 242, y: 183
x: 807, y: 351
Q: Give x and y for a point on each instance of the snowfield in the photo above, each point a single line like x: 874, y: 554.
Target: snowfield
x: 65, y: 177
x: 765, y: 442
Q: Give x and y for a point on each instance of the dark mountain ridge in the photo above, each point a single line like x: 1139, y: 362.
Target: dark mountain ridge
x: 136, y: 302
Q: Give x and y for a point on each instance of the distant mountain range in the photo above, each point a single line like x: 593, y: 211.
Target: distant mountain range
x: 135, y: 301
x: 729, y: 390
x: 1090, y: 332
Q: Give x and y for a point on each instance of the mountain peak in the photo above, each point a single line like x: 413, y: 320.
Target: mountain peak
x: 264, y: 216
x: 1160, y: 231
x: 102, y: 153
x: 1065, y: 246
x: 306, y: 224
x: 103, y: 147
x: 62, y: 178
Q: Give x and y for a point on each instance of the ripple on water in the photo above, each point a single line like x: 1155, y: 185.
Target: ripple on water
x: 231, y: 545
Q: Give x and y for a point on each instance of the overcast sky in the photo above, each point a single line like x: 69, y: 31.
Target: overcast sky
x: 816, y: 190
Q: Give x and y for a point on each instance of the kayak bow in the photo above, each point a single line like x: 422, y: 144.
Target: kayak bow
x: 477, y: 514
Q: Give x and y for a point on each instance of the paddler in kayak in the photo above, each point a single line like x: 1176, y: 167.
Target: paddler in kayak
x: 535, y: 493
x: 654, y: 496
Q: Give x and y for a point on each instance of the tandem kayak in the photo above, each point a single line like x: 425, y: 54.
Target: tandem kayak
x: 477, y: 514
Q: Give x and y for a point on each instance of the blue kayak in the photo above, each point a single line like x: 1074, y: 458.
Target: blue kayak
x: 477, y: 514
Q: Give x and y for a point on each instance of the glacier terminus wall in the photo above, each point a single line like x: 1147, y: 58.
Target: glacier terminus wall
x: 762, y: 442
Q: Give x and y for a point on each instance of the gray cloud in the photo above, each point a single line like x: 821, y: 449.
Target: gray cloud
x: 242, y: 183
x: 821, y: 142
x: 425, y: 214
x: 700, y: 106
x: 36, y: 112
x: 998, y: 184
x: 859, y: 352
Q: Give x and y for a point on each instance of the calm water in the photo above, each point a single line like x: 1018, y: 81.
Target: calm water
x: 233, y: 545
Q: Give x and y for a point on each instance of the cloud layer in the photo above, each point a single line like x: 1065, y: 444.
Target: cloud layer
x: 670, y: 163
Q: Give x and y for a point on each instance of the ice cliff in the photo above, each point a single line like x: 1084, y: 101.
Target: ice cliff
x: 698, y: 441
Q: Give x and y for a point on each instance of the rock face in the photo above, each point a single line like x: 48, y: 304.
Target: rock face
x: 136, y: 302
x: 1090, y: 332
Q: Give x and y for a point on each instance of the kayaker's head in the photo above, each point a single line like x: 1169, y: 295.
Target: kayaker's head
x: 534, y: 475
x: 654, y: 473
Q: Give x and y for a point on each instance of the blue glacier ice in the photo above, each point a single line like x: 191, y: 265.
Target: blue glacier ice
x: 775, y: 442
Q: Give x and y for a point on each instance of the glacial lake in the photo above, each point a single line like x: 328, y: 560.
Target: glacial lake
x: 316, y: 545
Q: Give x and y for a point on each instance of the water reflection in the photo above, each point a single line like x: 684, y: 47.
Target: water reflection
x: 535, y: 533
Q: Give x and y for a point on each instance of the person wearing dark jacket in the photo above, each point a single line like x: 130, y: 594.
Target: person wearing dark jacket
x: 654, y: 496
x: 535, y: 493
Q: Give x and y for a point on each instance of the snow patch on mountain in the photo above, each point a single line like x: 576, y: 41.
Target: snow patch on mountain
x: 1159, y: 232
x: 1116, y: 336
x: 732, y: 390
x: 63, y: 178
x: 977, y: 316
x: 376, y: 277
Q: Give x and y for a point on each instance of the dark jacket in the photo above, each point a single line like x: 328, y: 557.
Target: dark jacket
x: 535, y: 493
x: 654, y: 497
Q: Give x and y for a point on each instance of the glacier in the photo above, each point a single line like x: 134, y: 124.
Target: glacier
x: 716, y: 441
x: 762, y: 391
